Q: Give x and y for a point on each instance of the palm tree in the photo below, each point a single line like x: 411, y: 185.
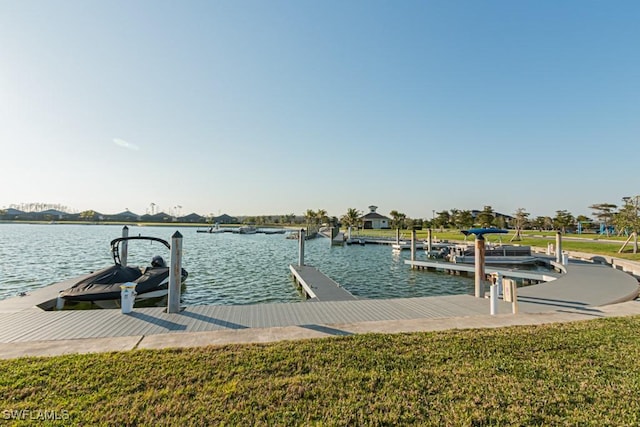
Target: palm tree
x: 351, y: 218
x: 321, y: 216
x: 397, y: 219
x: 310, y: 216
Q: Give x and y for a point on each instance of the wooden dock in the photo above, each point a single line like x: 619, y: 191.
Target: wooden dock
x: 450, y: 267
x: 318, y: 287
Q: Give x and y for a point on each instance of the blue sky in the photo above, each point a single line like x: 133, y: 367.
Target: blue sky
x: 275, y: 107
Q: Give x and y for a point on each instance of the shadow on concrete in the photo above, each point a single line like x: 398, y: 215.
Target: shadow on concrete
x: 327, y: 330
x: 213, y: 320
x: 597, y: 313
x: 578, y: 306
x: 172, y: 326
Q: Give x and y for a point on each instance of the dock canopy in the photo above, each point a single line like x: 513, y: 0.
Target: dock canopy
x: 480, y: 232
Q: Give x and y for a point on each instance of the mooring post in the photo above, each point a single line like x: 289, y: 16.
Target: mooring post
x: 397, y: 236
x: 175, y: 274
x: 124, y: 249
x: 493, y: 295
x: 349, y: 234
x: 514, y: 297
x: 479, y: 264
x: 301, y: 237
x: 413, y: 247
x: 429, y: 241
x: 559, y: 247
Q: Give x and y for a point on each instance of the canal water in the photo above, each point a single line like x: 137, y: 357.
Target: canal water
x: 224, y: 268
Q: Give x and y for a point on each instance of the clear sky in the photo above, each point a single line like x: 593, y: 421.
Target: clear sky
x: 276, y: 107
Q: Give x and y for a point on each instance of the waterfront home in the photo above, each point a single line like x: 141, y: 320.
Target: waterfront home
x: 373, y: 220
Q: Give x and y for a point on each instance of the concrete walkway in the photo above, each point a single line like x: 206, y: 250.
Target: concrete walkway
x: 587, y: 291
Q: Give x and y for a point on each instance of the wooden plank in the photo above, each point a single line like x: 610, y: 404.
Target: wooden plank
x: 317, y: 286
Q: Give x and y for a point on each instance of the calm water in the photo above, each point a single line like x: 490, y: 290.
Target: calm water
x: 223, y: 268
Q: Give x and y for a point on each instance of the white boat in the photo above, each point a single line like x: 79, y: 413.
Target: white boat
x: 402, y: 245
x: 214, y: 229
x: 500, y: 254
x: 247, y: 229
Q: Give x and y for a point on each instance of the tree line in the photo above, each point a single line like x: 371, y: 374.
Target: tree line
x: 608, y: 219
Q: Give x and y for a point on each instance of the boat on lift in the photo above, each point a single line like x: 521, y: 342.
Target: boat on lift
x: 104, y: 285
x: 498, y: 254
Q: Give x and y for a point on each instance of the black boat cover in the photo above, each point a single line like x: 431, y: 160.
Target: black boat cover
x: 105, y: 284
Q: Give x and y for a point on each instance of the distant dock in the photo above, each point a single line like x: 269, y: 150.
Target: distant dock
x: 318, y: 287
x: 531, y: 276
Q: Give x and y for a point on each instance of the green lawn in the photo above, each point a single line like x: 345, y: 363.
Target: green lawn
x: 591, y: 243
x: 583, y: 373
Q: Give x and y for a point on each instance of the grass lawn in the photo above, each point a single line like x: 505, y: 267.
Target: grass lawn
x: 583, y: 373
x: 591, y: 243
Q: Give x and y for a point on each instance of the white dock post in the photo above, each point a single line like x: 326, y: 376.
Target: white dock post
x: 479, y: 266
x: 559, y: 247
x: 59, y: 302
x: 493, y: 294
x: 301, y: 237
x: 413, y: 248
x: 124, y: 249
x: 175, y: 274
x: 514, y: 297
x: 349, y: 234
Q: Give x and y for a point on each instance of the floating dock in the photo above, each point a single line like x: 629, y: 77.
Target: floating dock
x: 26, y: 329
x: 318, y: 287
x: 531, y: 276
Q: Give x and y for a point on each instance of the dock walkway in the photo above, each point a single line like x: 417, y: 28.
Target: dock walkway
x: 585, y: 292
x: 318, y: 287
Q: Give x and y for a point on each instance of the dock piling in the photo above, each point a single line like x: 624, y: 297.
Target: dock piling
x: 175, y: 274
x: 559, y: 247
x: 479, y: 264
x: 493, y: 294
x: 124, y: 248
x: 413, y: 246
x: 301, y: 237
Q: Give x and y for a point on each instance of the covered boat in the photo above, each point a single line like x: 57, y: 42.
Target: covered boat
x: 151, y: 281
x: 500, y: 254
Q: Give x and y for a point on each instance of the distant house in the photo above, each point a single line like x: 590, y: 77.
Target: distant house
x: 124, y: 216
x: 373, y: 220
x: 159, y: 217
x: 12, y: 214
x: 50, y: 214
x: 508, y: 219
x: 225, y: 219
x: 192, y: 217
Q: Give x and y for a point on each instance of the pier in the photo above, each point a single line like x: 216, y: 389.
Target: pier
x: 530, y: 276
x: 588, y: 290
x: 318, y: 287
